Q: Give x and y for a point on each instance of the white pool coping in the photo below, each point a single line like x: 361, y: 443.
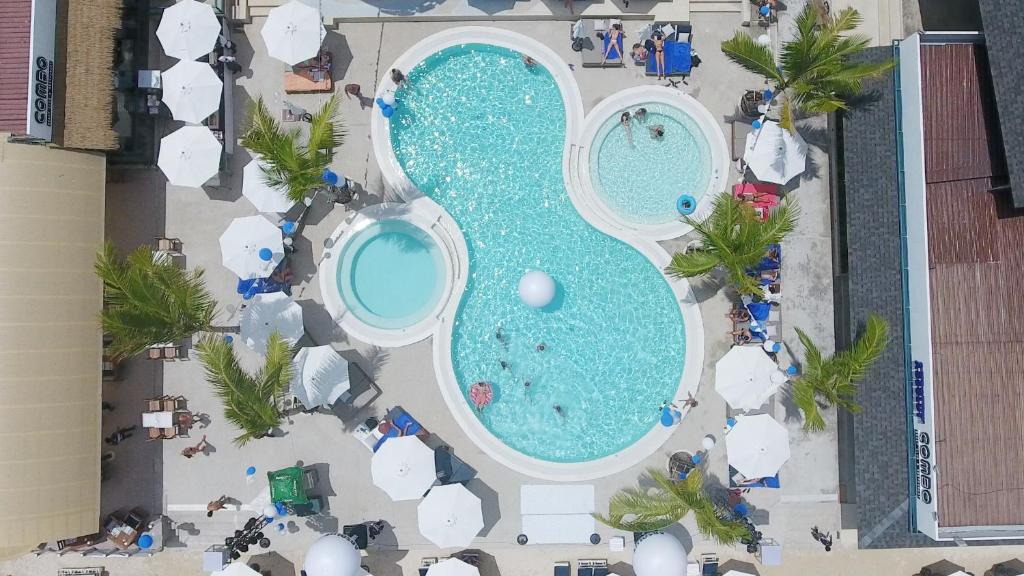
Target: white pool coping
x: 396, y: 179
x: 586, y: 198
x: 436, y: 223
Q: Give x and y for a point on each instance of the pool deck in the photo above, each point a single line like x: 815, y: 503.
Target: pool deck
x: 362, y: 54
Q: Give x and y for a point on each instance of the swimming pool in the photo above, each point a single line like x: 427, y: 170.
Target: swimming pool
x: 484, y: 137
x: 639, y: 176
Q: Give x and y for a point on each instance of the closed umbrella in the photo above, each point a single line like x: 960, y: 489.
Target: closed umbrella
x: 744, y: 377
x: 404, y: 468
x: 189, y: 156
x: 293, y: 32
x: 192, y: 91
x: 269, y: 313
x: 251, y: 247
x: 320, y: 376
x: 188, y: 30
x: 758, y: 446
x: 262, y: 195
x: 775, y: 154
x: 453, y: 567
x: 450, y: 516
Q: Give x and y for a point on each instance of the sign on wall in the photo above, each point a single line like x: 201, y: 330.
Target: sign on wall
x: 41, y: 69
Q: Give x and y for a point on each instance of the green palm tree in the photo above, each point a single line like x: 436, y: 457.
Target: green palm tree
x: 732, y: 238
x: 814, y: 72
x: 250, y: 401
x: 649, y: 509
x: 150, y: 301
x: 288, y: 164
x: 831, y: 380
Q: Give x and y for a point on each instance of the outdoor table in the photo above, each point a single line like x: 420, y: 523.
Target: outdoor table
x: 120, y: 533
x: 157, y: 419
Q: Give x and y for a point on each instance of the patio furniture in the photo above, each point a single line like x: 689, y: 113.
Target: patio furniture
x: 708, y: 565
x: 562, y: 569
x: 286, y: 486
x: 678, y: 58
x: 311, y: 76
x: 157, y: 419
x: 358, y: 533
x: 269, y: 313
x: 404, y: 468
x: 165, y: 352
x: 594, y: 42
x: 592, y: 568
x: 172, y: 245
x: 425, y: 565
x: 451, y: 469
x: 320, y: 376
x: 769, y: 553
x: 314, y: 506
x: 398, y: 423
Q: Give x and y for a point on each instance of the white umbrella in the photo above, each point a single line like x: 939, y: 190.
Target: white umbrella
x: 236, y: 569
x: 757, y: 445
x: 192, y: 91
x: 320, y: 376
x: 737, y: 573
x: 332, y: 555
x: 293, y: 32
x: 452, y: 567
x: 659, y: 554
x: 450, y: 516
x: 188, y: 30
x: 264, y: 197
x: 743, y: 377
x: 404, y: 468
x: 269, y: 313
x: 189, y: 156
x: 251, y: 247
x: 775, y: 154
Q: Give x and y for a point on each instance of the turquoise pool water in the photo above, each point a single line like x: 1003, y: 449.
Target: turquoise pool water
x: 639, y: 177
x: 483, y: 136
x: 391, y: 274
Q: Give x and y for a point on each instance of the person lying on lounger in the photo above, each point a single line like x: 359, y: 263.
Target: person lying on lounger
x: 741, y: 336
x: 739, y: 315
x: 614, y: 38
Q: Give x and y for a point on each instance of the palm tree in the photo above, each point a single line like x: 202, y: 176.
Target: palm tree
x: 150, y: 301
x: 649, y: 509
x: 250, y: 401
x: 814, y: 73
x: 288, y: 164
x: 831, y: 380
x: 733, y: 238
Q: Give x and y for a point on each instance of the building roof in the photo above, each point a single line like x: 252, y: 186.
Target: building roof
x: 1003, y: 22
x: 51, y: 226
x: 87, y: 107
x: 975, y: 271
x: 15, y: 30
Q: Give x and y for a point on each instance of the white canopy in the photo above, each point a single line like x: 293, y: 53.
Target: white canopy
x: 452, y: 567
x: 737, y: 573
x: 757, y: 445
x: 251, y: 247
x: 191, y: 91
x: 188, y: 30
x: 775, y: 154
x: 320, y: 376
x: 404, y: 468
x: 659, y: 555
x: 293, y: 32
x: 264, y: 197
x: 332, y: 555
x: 267, y: 313
x: 189, y: 156
x: 236, y: 569
x: 450, y: 516
x: 743, y: 377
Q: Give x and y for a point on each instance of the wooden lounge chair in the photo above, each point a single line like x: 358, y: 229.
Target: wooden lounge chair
x: 153, y: 434
x: 172, y: 403
x: 168, y: 433
x: 169, y: 245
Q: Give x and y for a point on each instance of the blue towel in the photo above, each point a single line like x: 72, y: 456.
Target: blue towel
x: 677, y: 59
x: 759, y: 310
x: 616, y: 53
x: 401, y: 424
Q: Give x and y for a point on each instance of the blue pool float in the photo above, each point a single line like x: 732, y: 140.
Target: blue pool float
x: 686, y: 204
x: 670, y: 417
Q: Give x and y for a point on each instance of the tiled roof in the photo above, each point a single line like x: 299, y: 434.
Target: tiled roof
x: 1003, y: 22
x: 15, y: 30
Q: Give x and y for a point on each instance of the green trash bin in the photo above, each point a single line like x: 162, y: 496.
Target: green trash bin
x: 286, y: 486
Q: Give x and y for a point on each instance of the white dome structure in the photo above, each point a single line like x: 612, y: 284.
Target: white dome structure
x: 658, y: 555
x: 332, y: 555
x: 536, y: 289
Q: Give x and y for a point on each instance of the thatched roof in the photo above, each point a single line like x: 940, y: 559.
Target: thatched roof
x: 89, y: 92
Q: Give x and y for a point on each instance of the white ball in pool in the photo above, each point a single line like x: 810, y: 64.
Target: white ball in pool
x: 536, y: 289
x: 389, y: 98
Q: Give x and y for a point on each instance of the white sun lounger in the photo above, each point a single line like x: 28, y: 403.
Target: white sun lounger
x: 557, y: 514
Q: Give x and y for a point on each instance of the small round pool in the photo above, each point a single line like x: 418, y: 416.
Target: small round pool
x: 391, y: 274
x: 640, y: 177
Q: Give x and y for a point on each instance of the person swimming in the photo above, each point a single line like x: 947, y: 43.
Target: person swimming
x: 504, y: 365
x: 526, y: 384
x: 624, y: 120
x: 559, y: 411
x: 542, y: 347
x: 657, y: 131
x: 640, y: 114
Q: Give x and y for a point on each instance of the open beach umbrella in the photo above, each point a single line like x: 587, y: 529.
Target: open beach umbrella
x: 264, y: 197
x: 450, y: 516
x: 404, y: 468
x: 191, y: 91
x: 659, y: 554
x: 189, y: 156
x: 453, y: 567
x: 775, y: 154
x: 269, y: 313
x: 737, y: 573
x: 332, y: 555
x: 236, y: 569
x: 188, y: 30
x: 293, y: 32
x: 251, y: 247
x: 320, y: 376
x: 744, y: 377
x: 757, y: 446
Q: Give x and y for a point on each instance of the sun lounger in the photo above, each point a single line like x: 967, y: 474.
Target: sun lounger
x: 299, y: 84
x: 593, y: 47
x: 425, y: 565
x: 708, y: 565
x: 402, y: 424
x: 678, y: 59
x: 562, y: 569
x: 592, y: 568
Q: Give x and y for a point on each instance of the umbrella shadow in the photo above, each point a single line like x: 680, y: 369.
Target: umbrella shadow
x: 386, y: 563
x: 1009, y: 568
x: 271, y: 564
x: 941, y: 568
x: 341, y: 54
x: 489, y: 503
x: 485, y: 563
x: 739, y: 566
x: 322, y: 523
x: 320, y: 327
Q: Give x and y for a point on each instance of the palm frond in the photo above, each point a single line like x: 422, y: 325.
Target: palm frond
x: 746, y: 52
x: 692, y: 264
x: 805, y: 400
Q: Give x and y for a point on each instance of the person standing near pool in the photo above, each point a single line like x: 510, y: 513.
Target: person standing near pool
x: 659, y: 53
x: 397, y: 77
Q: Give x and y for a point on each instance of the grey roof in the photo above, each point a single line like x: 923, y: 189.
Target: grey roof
x: 1003, y: 22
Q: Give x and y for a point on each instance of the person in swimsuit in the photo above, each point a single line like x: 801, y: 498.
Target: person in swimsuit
x: 657, y: 131
x: 624, y: 119
x: 614, y: 35
x: 640, y: 114
x: 659, y: 54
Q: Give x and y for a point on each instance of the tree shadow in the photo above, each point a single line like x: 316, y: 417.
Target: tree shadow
x: 271, y: 564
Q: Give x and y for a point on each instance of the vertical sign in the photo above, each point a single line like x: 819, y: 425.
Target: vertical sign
x: 41, y: 75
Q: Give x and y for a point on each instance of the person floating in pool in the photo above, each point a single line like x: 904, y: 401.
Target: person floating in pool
x: 559, y: 411
x: 657, y: 131
x: 500, y: 337
x: 529, y: 61
x: 526, y: 385
x: 624, y: 120
x: 542, y: 347
x: 614, y: 37
x: 504, y: 365
x: 640, y: 114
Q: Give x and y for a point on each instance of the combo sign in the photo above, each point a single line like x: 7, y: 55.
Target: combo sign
x: 41, y: 77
